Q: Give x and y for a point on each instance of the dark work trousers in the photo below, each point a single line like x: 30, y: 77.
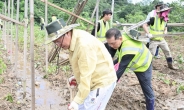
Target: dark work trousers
x: 42, y: 27
x: 145, y: 82
x: 156, y: 53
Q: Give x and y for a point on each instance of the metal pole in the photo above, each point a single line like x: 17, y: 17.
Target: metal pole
x: 93, y: 13
x: 112, y: 9
x: 32, y: 54
x: 25, y: 47
x: 4, y: 27
x: 11, y: 31
x: 96, y: 24
x: 16, y: 41
x: 8, y: 33
x: 46, y: 36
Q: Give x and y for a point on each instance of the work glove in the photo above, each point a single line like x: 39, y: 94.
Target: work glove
x: 116, y: 66
x: 73, y: 106
x: 149, y: 35
x: 72, y: 82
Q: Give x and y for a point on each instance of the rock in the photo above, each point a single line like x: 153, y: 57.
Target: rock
x: 165, y: 108
x: 37, y: 83
x: 11, y: 75
x: 19, y: 83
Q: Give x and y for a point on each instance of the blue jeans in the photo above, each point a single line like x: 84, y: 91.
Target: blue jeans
x: 145, y: 82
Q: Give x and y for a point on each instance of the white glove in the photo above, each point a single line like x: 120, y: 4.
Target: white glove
x: 72, y: 81
x: 149, y: 35
x: 165, y: 32
x: 73, y: 106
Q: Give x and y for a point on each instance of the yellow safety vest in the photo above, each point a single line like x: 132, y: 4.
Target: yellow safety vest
x: 142, y: 58
x: 157, y: 28
x: 54, y: 18
x: 42, y: 20
x: 103, y: 30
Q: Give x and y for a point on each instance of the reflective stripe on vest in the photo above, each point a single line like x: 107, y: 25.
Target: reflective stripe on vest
x: 142, y: 58
x: 103, y: 30
x: 157, y: 28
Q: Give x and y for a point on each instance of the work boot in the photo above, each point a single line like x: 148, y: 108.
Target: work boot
x: 170, y: 63
x: 171, y: 66
x: 150, y: 104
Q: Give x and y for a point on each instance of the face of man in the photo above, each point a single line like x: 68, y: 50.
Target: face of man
x: 114, y: 43
x: 108, y: 17
x: 64, y: 41
x: 158, y: 7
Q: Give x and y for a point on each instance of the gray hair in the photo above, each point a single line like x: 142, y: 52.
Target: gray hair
x: 113, y: 32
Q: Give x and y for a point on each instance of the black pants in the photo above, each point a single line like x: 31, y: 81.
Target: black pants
x: 42, y: 27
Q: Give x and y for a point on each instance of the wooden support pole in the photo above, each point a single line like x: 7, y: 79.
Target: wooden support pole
x: 93, y: 13
x: 25, y: 47
x: 16, y: 39
x: 96, y: 23
x: 5, y: 18
x: 4, y: 25
x: 112, y: 9
x: 32, y: 54
x: 169, y: 24
x: 46, y: 36
x: 66, y: 11
x: 8, y: 33
x: 11, y: 38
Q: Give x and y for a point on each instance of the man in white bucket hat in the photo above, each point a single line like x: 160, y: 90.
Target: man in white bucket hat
x: 91, y: 64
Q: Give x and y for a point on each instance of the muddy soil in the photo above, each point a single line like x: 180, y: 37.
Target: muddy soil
x: 52, y: 93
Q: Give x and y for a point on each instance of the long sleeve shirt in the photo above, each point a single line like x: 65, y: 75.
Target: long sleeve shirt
x: 126, y: 59
x: 91, y: 63
x: 151, y: 22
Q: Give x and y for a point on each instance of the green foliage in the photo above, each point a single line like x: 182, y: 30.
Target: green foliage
x: 39, y: 35
x: 124, y: 11
x: 1, y: 80
x: 180, y: 88
x: 167, y: 81
x: 180, y: 59
x: 162, y: 76
x: 2, y: 66
x: 173, y: 83
x: 66, y: 68
x: 9, y: 98
x: 51, y: 68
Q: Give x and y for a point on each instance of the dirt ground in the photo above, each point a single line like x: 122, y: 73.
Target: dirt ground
x: 167, y: 85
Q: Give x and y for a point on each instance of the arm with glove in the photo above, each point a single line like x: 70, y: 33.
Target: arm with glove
x: 86, y: 64
x: 126, y: 59
x: 146, y: 29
